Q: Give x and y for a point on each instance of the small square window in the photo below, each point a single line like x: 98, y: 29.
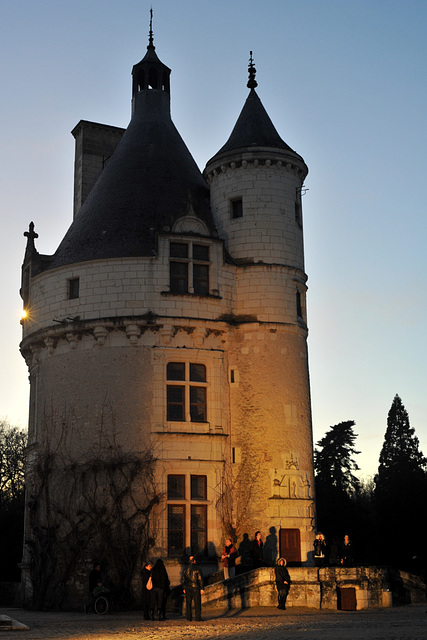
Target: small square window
x: 178, y: 250
x: 176, y: 370
x: 198, y: 487
x: 237, y: 208
x: 176, y: 487
x: 197, y: 372
x: 73, y: 288
x: 200, y: 252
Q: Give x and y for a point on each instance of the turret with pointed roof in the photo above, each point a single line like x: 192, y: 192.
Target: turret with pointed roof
x: 150, y: 181
x: 255, y: 149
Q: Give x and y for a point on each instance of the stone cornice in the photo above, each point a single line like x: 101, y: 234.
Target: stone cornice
x: 258, y: 157
x: 205, y: 332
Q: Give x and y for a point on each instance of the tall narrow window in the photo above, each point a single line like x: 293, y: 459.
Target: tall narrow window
x: 186, y: 396
x: 298, y: 206
x: 299, y: 305
x: 201, y: 269
x: 198, y: 528
x: 236, y: 208
x: 178, y: 269
x: 187, y: 521
x: 176, y: 529
x: 73, y: 288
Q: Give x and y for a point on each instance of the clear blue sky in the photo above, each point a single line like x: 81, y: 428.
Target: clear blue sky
x: 344, y: 81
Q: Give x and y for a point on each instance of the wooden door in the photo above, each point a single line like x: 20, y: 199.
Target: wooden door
x: 290, y: 545
x: 347, y: 599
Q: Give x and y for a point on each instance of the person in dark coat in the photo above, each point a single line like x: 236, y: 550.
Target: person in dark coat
x: 228, y: 558
x: 146, y: 593
x: 192, y: 586
x: 346, y: 552
x: 160, y: 590
x: 319, y: 545
x: 283, y: 582
x: 257, y: 551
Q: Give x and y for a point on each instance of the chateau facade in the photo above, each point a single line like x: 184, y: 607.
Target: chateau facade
x: 172, y: 317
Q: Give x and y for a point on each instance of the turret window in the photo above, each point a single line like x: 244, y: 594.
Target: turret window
x: 73, y: 288
x: 236, y: 206
x: 189, y: 268
x: 300, y: 304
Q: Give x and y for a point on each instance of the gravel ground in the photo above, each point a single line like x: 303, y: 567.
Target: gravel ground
x: 258, y: 623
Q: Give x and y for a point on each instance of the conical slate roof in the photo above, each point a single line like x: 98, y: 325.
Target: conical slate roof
x: 150, y: 181
x: 254, y: 128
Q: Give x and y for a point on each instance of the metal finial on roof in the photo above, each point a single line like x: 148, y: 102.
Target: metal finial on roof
x: 252, y: 83
x: 150, y: 35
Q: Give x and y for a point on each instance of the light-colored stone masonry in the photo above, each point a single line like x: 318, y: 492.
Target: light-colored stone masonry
x: 98, y: 363
x: 268, y: 187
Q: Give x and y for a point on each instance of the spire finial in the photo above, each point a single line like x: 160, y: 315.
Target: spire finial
x: 150, y: 35
x: 31, y: 235
x: 252, y: 83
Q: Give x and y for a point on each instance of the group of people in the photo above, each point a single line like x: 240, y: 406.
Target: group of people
x: 282, y: 577
x: 155, y: 590
x: 335, y: 554
x: 156, y: 583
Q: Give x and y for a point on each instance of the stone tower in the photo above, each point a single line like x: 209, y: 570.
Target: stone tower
x: 172, y: 318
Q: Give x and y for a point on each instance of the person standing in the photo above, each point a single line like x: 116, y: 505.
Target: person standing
x: 346, y: 552
x: 319, y: 545
x: 228, y: 559
x: 192, y: 586
x: 160, y: 590
x: 257, y: 551
x: 146, y: 593
x: 283, y: 582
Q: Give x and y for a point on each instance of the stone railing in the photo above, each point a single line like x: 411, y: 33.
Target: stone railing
x: 326, y: 588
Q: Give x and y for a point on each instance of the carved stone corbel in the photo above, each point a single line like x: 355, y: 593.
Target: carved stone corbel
x: 100, y: 334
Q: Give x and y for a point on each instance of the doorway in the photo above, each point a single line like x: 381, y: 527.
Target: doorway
x: 290, y: 545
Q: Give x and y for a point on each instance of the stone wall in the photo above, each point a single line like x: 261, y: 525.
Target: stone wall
x: 318, y: 588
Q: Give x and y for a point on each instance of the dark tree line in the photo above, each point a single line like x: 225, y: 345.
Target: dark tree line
x: 12, y: 470
x: 383, y: 515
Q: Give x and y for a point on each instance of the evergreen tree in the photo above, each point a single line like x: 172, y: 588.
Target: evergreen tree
x: 333, y: 464
x: 400, y: 452
x: 335, y: 482
x: 400, y: 484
